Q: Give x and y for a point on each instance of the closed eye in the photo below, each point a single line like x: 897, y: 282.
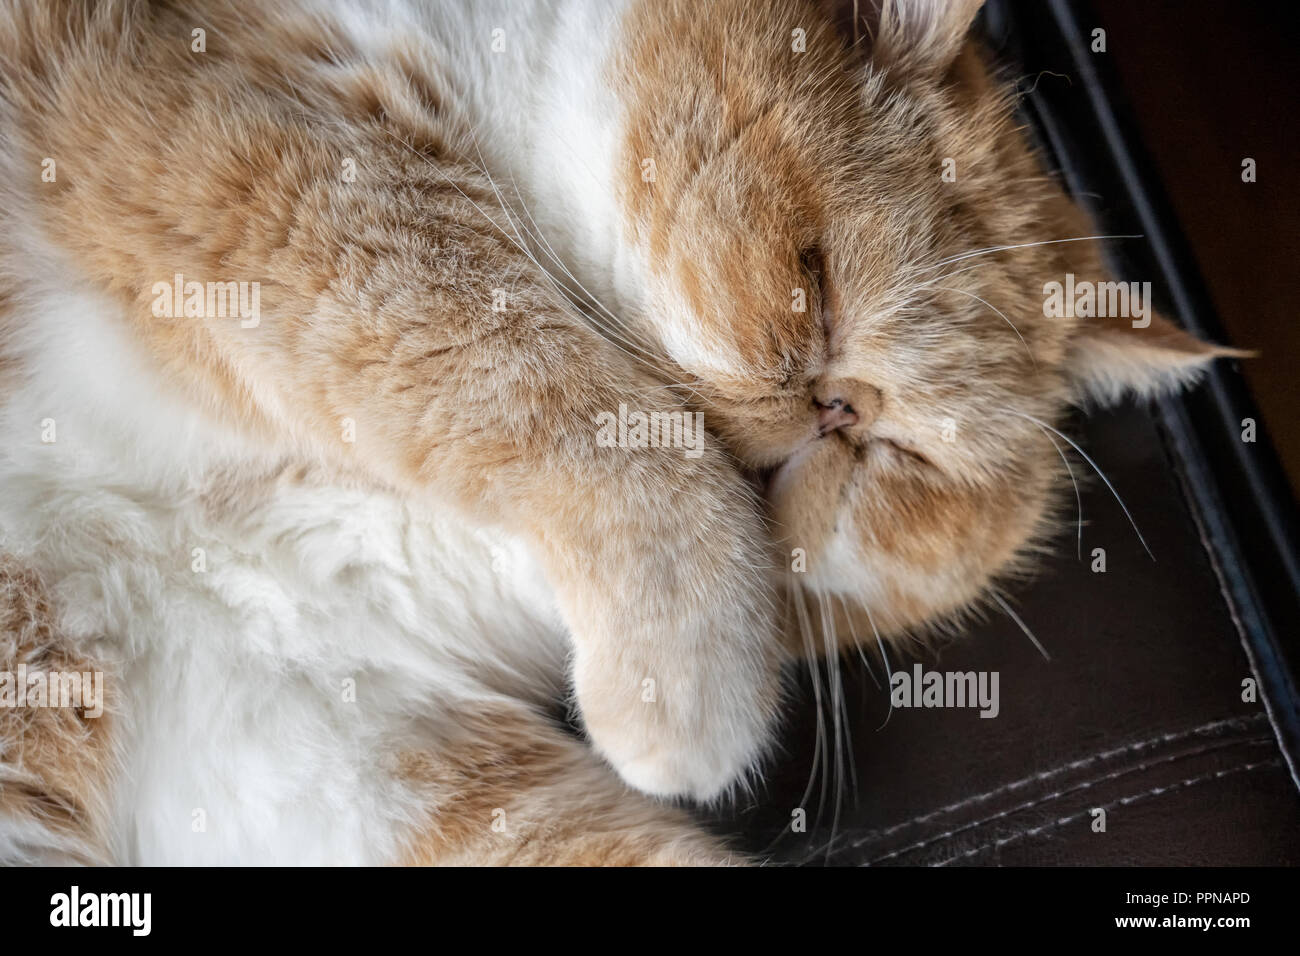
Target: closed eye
x: 813, y: 264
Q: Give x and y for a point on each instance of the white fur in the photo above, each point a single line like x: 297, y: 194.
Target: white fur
x: 232, y: 679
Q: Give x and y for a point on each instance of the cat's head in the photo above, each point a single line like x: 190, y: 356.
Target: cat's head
x: 849, y: 252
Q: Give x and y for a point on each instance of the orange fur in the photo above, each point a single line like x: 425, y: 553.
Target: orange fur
x: 817, y: 171
x: 55, y: 762
x: 820, y: 170
x: 512, y: 790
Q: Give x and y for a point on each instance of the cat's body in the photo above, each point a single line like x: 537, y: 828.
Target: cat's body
x: 342, y: 561
x: 364, y: 625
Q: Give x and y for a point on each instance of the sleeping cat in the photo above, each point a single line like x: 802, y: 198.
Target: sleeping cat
x: 308, y: 317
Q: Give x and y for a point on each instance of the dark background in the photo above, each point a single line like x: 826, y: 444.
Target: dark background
x: 1210, y: 82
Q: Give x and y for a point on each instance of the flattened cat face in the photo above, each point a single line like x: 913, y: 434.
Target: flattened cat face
x: 848, y: 256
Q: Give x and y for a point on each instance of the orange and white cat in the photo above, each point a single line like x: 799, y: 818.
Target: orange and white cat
x: 308, y: 314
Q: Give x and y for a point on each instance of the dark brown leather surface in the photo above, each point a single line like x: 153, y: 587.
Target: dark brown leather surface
x: 1139, y: 712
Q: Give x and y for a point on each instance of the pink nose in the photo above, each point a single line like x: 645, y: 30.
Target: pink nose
x: 836, y: 413
x: 844, y: 403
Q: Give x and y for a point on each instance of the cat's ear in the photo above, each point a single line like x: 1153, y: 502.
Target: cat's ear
x: 919, y: 36
x: 1111, y: 359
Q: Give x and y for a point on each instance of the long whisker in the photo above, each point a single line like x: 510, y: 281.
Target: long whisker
x: 1025, y: 245
x: 1100, y: 473
x: 621, y: 330
x: 509, y: 238
x: 844, y: 703
x: 985, y: 302
x: 889, y: 675
x: 839, y: 711
x: 857, y: 645
x: 1016, y: 617
x: 821, y: 753
x: 803, y: 799
x: 541, y: 242
x: 579, y: 161
x: 541, y: 239
x: 1078, y: 499
x: 944, y: 277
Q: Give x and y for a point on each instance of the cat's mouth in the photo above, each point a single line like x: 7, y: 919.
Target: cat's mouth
x: 761, y: 479
x: 770, y: 480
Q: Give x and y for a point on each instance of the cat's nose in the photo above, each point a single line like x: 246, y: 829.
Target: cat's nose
x: 844, y: 403
x: 835, y: 414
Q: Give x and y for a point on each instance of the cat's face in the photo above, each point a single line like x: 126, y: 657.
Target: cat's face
x: 825, y: 236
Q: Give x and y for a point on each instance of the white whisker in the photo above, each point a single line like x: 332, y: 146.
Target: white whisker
x: 1078, y: 499
x: 1026, y: 245
x: 517, y: 242
x: 999, y: 312
x: 820, y: 752
x: 1016, y: 617
x: 889, y: 675
x: 853, y: 633
x: 1100, y: 473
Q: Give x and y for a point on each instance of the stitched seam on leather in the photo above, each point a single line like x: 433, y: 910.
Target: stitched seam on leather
x: 1226, y: 592
x: 1047, y: 798
x: 1172, y: 737
x: 1123, y: 802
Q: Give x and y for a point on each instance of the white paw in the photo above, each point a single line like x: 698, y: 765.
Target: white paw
x: 685, y: 728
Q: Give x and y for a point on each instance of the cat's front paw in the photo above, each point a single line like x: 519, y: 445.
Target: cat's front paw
x: 701, y: 755
x: 690, y: 724
x: 677, y: 664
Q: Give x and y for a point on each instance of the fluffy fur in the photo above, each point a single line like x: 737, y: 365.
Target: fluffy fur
x: 341, y: 564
